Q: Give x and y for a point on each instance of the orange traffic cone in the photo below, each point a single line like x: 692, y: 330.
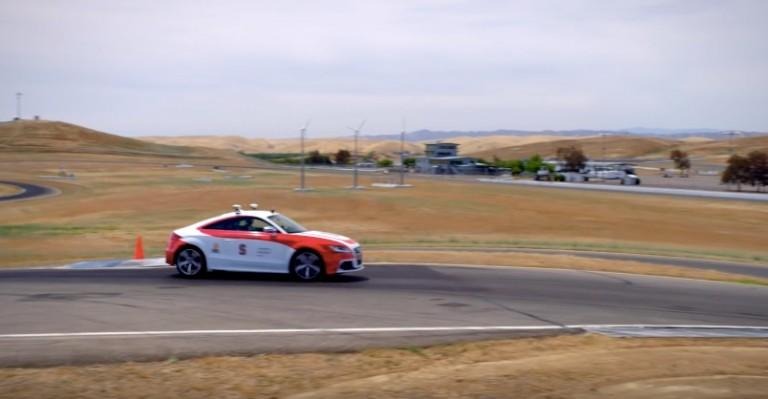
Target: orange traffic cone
x: 138, y: 251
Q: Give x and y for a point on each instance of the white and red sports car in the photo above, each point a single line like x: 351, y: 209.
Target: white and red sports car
x: 260, y: 241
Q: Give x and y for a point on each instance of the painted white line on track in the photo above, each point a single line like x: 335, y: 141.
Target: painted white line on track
x: 350, y: 330
x: 369, y: 330
x: 701, y: 326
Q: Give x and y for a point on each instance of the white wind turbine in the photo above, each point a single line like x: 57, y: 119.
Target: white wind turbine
x: 355, y: 186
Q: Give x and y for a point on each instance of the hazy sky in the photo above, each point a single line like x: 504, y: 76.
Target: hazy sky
x: 261, y: 68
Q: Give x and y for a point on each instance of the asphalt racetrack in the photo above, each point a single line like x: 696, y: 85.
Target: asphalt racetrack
x: 58, y: 316
x: 28, y: 191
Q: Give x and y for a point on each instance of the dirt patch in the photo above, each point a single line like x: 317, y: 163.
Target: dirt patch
x: 6, y: 190
x: 586, y: 366
x: 719, y: 386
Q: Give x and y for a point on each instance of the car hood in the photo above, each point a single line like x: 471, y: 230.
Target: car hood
x: 329, y: 236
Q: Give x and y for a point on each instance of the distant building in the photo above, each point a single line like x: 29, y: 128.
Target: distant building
x: 444, y: 159
x: 436, y: 150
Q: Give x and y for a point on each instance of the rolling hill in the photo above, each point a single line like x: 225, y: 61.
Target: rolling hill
x: 722, y: 149
x: 27, y: 136
x: 293, y: 146
x: 608, y: 147
x: 388, y: 148
x: 632, y: 147
x: 469, y: 145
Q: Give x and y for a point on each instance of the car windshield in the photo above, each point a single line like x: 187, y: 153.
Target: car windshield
x: 287, y: 224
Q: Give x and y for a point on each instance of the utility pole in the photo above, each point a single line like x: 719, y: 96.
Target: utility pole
x: 356, y: 156
x: 730, y: 140
x: 402, y: 155
x: 603, y: 143
x: 302, y: 135
x: 18, y: 105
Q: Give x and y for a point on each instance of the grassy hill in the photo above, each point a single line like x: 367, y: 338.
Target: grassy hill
x: 722, y: 149
x: 28, y: 136
x: 631, y: 147
x: 472, y: 145
x: 609, y: 147
x: 331, y: 145
x: 287, y: 146
x: 504, y: 147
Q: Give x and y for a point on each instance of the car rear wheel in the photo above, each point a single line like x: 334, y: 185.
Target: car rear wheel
x: 307, y: 266
x: 190, y: 262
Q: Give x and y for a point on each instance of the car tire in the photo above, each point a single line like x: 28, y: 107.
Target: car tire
x: 307, y: 265
x: 190, y: 262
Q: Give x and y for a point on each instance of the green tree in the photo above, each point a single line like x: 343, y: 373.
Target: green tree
x: 758, y: 169
x: 409, y: 162
x: 315, y: 158
x: 371, y: 156
x: 516, y: 166
x: 534, y: 163
x: 384, y: 163
x: 343, y: 157
x: 681, y: 161
x: 737, y: 172
x: 573, y: 158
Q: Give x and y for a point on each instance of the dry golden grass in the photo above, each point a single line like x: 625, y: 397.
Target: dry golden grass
x: 258, y: 145
x: 331, y: 145
x: 504, y: 147
x: 616, y: 147
x: 697, y: 140
x: 472, y: 145
x: 554, y: 367
x: 108, y: 204
x: 630, y: 147
x: 721, y: 150
x: 29, y: 136
x: 463, y: 258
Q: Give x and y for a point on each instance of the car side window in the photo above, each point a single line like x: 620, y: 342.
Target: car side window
x: 227, y: 224
x: 239, y: 224
x: 257, y: 225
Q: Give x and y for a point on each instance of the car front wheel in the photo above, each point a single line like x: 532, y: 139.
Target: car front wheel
x: 307, y: 266
x: 190, y: 263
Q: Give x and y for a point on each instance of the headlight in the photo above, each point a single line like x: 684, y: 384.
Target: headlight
x: 340, y: 248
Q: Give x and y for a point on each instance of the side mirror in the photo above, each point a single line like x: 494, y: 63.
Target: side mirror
x: 269, y: 230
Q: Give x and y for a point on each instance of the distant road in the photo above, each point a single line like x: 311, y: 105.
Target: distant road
x: 28, y: 191
x: 635, y: 189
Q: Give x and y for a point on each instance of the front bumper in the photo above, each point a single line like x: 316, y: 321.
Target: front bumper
x: 352, y: 264
x: 348, y: 266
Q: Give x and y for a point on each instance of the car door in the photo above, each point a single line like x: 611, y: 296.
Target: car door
x: 264, y: 251
x: 223, y: 239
